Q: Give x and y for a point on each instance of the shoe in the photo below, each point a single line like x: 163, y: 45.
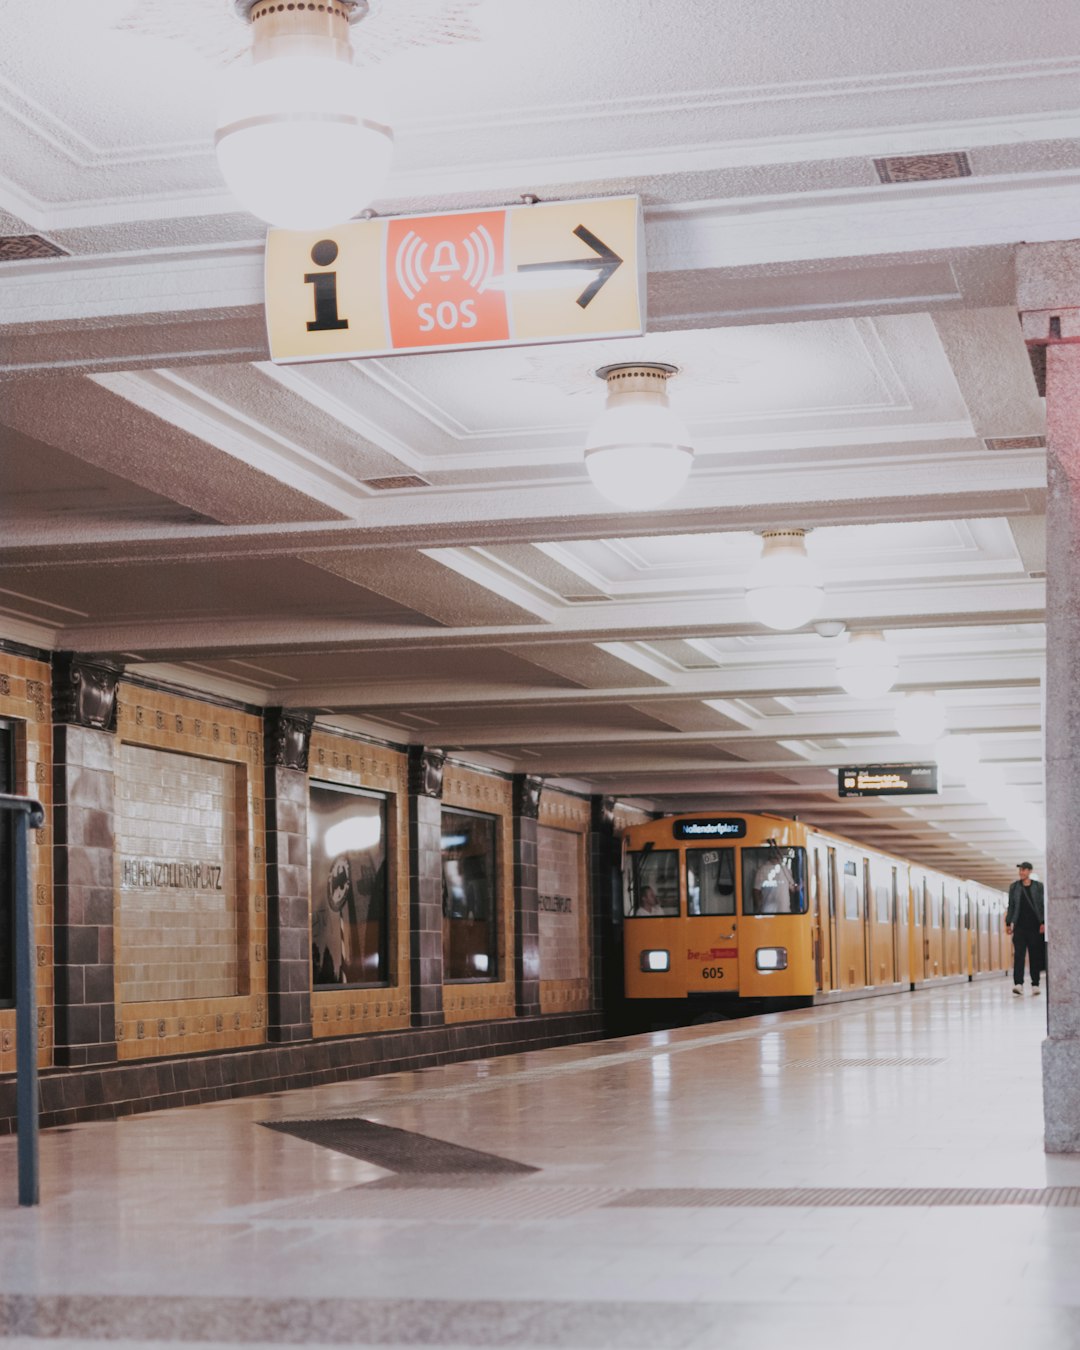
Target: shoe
x: 1035, y: 989
x: 1018, y: 988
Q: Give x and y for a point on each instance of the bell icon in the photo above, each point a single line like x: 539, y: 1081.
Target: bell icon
x: 445, y: 260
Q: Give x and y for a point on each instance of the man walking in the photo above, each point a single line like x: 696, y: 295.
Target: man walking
x: 1025, y: 919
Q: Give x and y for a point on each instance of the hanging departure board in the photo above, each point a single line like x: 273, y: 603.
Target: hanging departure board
x: 888, y: 780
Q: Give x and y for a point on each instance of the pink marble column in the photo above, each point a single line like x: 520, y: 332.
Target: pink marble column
x: 1048, y: 287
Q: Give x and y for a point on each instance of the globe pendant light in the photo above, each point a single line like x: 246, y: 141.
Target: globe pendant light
x: 784, y: 588
x: 293, y: 141
x: 638, y: 452
x: 866, y: 667
x: 920, y: 718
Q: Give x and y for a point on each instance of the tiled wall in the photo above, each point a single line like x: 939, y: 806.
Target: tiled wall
x: 230, y: 741
x: 474, y: 791
x: 25, y: 699
x: 178, y: 822
x: 564, y: 934
x: 177, y: 756
x: 339, y: 759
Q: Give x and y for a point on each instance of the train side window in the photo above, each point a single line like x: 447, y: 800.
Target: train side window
x: 652, y: 884
x: 710, y: 881
x: 774, y: 880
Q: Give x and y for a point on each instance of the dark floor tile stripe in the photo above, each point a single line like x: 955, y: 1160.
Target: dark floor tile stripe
x: 840, y: 1197
x: 397, y: 1150
x: 398, y: 1322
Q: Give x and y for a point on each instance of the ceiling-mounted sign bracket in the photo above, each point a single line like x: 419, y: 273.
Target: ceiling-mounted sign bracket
x: 549, y: 272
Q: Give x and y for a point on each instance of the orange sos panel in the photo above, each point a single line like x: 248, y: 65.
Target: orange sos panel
x: 439, y: 275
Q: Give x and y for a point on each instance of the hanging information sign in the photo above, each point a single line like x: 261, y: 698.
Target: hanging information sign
x: 553, y: 272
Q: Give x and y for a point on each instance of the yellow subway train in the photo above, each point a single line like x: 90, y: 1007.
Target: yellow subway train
x: 759, y: 907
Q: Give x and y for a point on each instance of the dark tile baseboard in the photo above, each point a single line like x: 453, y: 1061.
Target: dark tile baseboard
x: 106, y: 1092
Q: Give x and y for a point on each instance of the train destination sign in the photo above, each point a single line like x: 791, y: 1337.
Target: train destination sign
x: 553, y: 272
x: 727, y: 827
x: 888, y: 780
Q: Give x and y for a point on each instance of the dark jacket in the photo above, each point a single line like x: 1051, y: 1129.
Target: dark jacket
x: 1017, y: 903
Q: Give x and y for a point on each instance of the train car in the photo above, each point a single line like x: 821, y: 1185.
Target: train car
x: 757, y: 907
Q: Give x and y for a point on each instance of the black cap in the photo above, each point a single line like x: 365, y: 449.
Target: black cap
x: 1027, y: 865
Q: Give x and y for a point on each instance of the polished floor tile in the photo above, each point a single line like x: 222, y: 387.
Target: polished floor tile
x: 201, y: 1226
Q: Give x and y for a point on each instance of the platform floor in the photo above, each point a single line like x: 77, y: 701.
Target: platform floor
x: 669, y: 1207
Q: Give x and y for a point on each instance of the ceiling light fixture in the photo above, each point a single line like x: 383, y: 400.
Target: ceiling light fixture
x: 866, y: 667
x: 638, y: 452
x: 293, y: 141
x: 920, y: 718
x: 783, y: 590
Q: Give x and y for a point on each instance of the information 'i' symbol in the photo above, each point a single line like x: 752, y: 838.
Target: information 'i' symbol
x: 325, y: 286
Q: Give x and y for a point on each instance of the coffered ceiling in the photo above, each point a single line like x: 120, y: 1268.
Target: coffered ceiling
x: 411, y: 545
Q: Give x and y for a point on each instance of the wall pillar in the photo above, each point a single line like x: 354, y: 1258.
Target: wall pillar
x: 425, y: 886
x: 84, y: 804
x: 1048, y: 277
x: 288, y: 876
x: 603, y: 855
x: 527, y: 792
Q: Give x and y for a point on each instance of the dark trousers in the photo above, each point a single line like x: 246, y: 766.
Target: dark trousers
x: 1028, y: 940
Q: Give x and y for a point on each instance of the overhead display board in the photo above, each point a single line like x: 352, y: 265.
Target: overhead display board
x: 553, y: 272
x: 888, y: 780
x: 713, y: 827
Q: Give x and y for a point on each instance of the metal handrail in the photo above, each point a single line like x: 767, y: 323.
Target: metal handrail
x: 29, y: 815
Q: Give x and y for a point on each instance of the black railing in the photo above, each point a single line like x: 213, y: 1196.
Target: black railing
x: 29, y: 815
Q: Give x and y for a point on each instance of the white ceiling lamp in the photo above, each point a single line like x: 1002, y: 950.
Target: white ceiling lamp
x: 920, y: 718
x: 638, y: 452
x: 294, y: 141
x: 783, y: 590
x: 866, y: 667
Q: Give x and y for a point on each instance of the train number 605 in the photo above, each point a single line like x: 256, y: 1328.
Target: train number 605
x: 712, y: 973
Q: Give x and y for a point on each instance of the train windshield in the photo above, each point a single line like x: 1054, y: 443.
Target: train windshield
x: 710, y: 881
x: 652, y: 884
x: 774, y: 880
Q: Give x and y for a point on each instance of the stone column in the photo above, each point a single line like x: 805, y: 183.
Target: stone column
x: 84, y: 804
x: 527, y: 791
x: 288, y: 875
x: 603, y: 855
x: 425, y: 886
x: 1048, y: 277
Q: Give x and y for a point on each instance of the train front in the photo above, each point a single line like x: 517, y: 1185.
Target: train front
x: 717, y: 905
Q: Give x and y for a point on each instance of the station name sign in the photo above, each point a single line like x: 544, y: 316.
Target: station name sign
x: 553, y: 272
x: 888, y: 780
x: 727, y: 827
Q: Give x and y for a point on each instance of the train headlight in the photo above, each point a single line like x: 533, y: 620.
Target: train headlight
x: 656, y: 960
x: 771, y: 958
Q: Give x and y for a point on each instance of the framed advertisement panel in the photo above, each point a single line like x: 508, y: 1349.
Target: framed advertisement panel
x: 349, y: 919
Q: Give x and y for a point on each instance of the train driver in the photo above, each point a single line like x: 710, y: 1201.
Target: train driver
x: 773, y: 885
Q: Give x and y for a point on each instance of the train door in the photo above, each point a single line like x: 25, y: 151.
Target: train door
x: 879, y: 919
x: 712, y: 955
x: 932, y: 906
x: 900, y: 933
x: 819, y: 892
x: 916, y: 933
x: 954, y: 958
x: 775, y: 925
x: 849, y: 921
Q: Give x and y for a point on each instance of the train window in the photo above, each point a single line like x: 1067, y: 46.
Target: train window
x: 774, y: 880
x: 884, y: 904
x: 710, y: 881
x: 652, y: 884
x: 851, y: 899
